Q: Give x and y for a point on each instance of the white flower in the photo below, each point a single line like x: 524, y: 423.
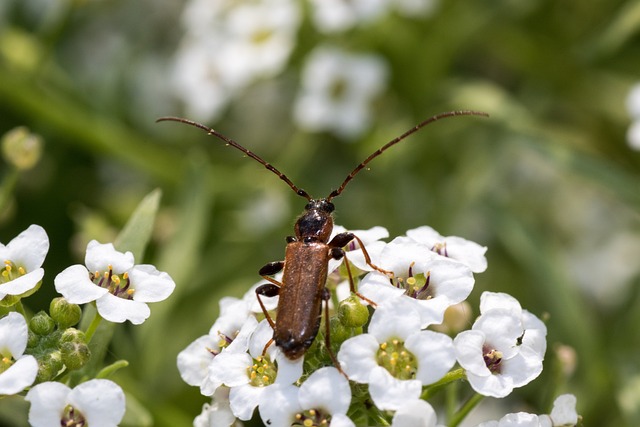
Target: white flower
x: 120, y: 288
x: 323, y: 398
x: 340, y: 15
x: 230, y: 331
x: 251, y: 376
x: 564, y: 412
x: 218, y: 413
x: 23, y: 257
x: 504, y: 349
x: 415, y: 413
x: 337, y: 90
x: 230, y: 45
x: 395, y: 357
x: 430, y: 282
x: 99, y: 403
x: 467, y: 252
x: 17, y: 370
x: 534, y: 330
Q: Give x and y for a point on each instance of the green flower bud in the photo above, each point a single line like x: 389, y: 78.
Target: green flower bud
x: 48, y: 366
x: 21, y: 148
x: 352, y: 313
x: 33, y: 339
x: 64, y: 313
x: 73, y: 335
x: 42, y: 324
x: 74, y: 354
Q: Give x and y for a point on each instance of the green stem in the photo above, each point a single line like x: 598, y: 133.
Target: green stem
x: 20, y: 309
x: 466, y: 408
x: 7, y: 186
x: 455, y: 375
x: 93, y: 327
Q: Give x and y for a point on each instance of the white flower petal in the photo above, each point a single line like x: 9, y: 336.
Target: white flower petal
x: 435, y: 355
x: 150, y: 284
x: 389, y: 393
x: 74, y: 284
x: 280, y: 405
x: 357, y: 357
x: 118, y: 310
x: 231, y: 368
x: 499, y: 300
x: 101, y: 402
x: 328, y: 389
x: 19, y: 376
x: 100, y: 256
x: 14, y: 335
x: 28, y: 249
x: 289, y: 371
x: 193, y: 361
x: 395, y: 318
x: 415, y: 413
x: 468, y: 348
x: 244, y: 399
x: 564, y: 410
x: 48, y: 401
x: 22, y: 284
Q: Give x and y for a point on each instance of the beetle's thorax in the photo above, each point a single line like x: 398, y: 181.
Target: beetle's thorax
x: 316, y: 222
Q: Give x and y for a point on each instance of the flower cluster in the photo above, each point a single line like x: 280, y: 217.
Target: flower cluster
x: 229, y: 45
x: 41, y: 351
x: 385, y: 359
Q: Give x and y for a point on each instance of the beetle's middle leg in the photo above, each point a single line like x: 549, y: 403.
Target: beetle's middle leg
x: 269, y: 290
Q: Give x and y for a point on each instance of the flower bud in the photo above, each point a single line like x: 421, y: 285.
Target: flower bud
x: 75, y: 354
x: 64, y: 313
x: 352, y: 313
x: 42, y: 324
x: 73, y: 335
x: 21, y: 148
x: 48, y: 366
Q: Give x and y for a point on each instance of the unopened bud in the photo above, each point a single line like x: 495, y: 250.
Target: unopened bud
x: 64, y: 313
x: 456, y: 318
x: 48, y: 366
x: 42, y: 324
x: 352, y: 313
x: 75, y: 354
x: 21, y: 148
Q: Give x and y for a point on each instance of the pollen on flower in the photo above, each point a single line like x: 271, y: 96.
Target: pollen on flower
x: 262, y: 372
x: 8, y: 272
x: 396, y: 359
x: 492, y: 359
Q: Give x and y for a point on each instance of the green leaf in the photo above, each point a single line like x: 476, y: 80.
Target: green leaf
x: 137, y: 232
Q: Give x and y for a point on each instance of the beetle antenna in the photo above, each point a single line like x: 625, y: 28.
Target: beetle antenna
x: 394, y: 141
x: 231, y: 142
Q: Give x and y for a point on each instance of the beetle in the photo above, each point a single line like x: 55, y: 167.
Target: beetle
x: 307, y: 255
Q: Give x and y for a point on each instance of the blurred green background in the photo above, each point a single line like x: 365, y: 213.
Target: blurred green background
x: 548, y: 183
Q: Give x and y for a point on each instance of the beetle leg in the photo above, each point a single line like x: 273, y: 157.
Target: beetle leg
x: 267, y: 290
x: 352, y: 286
x: 326, y: 296
x: 367, y: 259
x: 271, y: 268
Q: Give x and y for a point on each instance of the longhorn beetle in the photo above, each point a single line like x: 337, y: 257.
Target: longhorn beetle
x: 308, y: 253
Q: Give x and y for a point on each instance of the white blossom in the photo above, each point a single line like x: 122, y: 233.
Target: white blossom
x: 22, y: 261
x: 17, y: 370
x: 504, y: 348
x: 230, y: 331
x: 430, y: 282
x: 337, y: 91
x: 467, y: 252
x: 250, y: 376
x: 97, y: 403
x: 217, y: 413
x: 396, y: 358
x: 120, y: 288
x: 324, y: 396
